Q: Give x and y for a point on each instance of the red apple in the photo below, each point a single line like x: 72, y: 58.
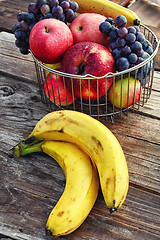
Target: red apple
x: 85, y: 28
x: 124, y: 95
x: 49, y: 39
x: 56, y: 90
x: 88, y: 58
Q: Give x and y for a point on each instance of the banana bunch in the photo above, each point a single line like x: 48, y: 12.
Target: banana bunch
x: 82, y: 146
x: 108, y: 9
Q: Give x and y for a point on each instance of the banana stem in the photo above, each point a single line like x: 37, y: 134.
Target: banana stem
x: 22, y: 149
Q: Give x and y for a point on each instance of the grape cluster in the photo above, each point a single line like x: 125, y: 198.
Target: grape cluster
x: 128, y: 45
x: 63, y: 10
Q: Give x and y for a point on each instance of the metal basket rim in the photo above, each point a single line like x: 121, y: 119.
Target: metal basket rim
x: 110, y: 74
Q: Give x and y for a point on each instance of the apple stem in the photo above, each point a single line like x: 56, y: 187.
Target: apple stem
x: 47, y: 30
x: 81, y: 68
x: 80, y: 28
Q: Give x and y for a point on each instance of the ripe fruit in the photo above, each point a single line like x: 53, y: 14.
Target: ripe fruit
x: 49, y: 39
x: 63, y: 10
x: 55, y: 66
x: 85, y: 28
x: 55, y: 89
x: 124, y: 94
x: 88, y: 58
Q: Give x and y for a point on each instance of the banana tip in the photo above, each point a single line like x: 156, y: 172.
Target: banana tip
x: 112, y: 209
x: 48, y: 232
x: 136, y: 22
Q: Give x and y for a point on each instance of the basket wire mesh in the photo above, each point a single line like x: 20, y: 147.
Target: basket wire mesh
x: 101, y: 107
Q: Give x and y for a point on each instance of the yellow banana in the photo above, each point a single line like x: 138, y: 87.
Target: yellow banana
x: 81, y: 187
x: 97, y: 141
x: 108, y: 9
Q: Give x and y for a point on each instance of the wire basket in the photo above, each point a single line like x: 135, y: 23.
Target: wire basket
x: 102, y: 107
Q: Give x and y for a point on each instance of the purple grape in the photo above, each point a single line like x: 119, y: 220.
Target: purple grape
x: 140, y: 53
x: 24, y: 50
x: 15, y: 27
x: 137, y: 29
x: 130, y: 38
x: 20, y: 34
x: 65, y: 5
x: 53, y: 3
x: 48, y: 15
x: 70, y: 15
x: 113, y: 34
x: 57, y: 11
x: 132, y: 58
x: 18, y: 43
x: 131, y: 30
x: 105, y: 27
x: 45, y: 9
x: 29, y: 18
x: 145, y: 55
x: 126, y: 50
x: 122, y: 64
x: 39, y: 3
x: 122, y: 32
x: 21, y: 16
x: 23, y: 25
x: 121, y: 21
x: 140, y: 37
x: 149, y: 50
x: 136, y: 47
x: 32, y: 8
x: 116, y: 53
x: 145, y: 44
x: 110, y: 20
x: 31, y: 26
x: 74, y: 6
x: 139, y: 60
x: 63, y: 0
x: 112, y: 45
x: 120, y: 42
x: 62, y: 17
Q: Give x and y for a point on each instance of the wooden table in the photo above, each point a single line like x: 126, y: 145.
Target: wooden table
x: 30, y: 186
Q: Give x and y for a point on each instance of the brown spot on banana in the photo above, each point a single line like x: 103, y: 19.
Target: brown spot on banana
x: 60, y: 213
x: 98, y: 143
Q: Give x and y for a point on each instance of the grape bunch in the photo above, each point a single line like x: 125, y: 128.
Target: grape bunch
x: 128, y: 45
x: 64, y: 10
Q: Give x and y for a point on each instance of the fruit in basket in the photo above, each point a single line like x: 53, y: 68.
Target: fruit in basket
x: 55, y: 66
x: 108, y: 9
x: 128, y: 45
x: 49, y: 39
x: 56, y: 90
x: 92, y: 137
x: 145, y: 72
x: 88, y: 58
x: 65, y: 11
x: 124, y: 93
x: 147, y: 47
x: 85, y: 28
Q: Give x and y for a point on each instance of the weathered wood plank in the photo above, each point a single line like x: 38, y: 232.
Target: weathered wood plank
x: 9, y: 10
x: 147, y: 11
